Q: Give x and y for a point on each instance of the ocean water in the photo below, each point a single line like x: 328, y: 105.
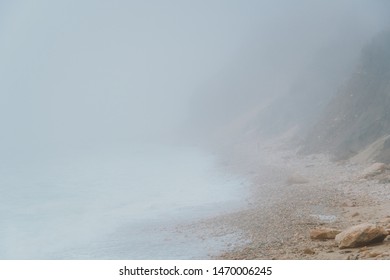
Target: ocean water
x: 114, y: 205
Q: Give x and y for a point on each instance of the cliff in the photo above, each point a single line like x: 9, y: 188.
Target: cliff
x: 338, y: 104
x: 258, y: 99
x: 356, y: 123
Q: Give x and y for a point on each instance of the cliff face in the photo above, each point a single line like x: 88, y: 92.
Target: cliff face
x: 358, y: 118
x: 308, y: 95
x: 324, y: 108
x: 264, y: 100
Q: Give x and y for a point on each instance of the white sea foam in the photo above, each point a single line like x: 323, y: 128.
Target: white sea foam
x: 120, y: 205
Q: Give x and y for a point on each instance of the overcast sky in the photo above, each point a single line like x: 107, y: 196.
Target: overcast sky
x: 88, y: 71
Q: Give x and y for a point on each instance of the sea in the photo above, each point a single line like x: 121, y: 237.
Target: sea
x: 122, y: 204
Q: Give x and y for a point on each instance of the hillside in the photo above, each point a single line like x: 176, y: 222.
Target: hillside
x: 338, y: 103
x: 257, y: 100
x: 357, y: 120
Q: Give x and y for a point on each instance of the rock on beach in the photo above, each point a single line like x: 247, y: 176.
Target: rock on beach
x: 360, y: 235
x: 324, y: 233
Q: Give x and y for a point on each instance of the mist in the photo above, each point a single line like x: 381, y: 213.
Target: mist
x: 86, y: 73
x: 95, y: 97
x: 298, y: 56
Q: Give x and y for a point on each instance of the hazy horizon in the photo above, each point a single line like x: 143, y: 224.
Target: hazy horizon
x: 85, y: 73
x: 91, y: 92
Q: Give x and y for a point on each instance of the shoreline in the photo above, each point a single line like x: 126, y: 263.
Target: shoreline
x: 280, y: 214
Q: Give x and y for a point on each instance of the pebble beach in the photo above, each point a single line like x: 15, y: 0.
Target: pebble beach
x: 293, y: 194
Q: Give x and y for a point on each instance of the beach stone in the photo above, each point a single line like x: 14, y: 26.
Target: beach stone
x: 373, y: 170
x: 296, y: 179
x: 324, y: 233
x: 309, y: 251
x: 360, y: 235
x: 374, y: 254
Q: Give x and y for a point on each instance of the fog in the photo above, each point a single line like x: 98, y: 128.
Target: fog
x: 81, y: 79
x: 80, y: 73
x: 299, y: 54
x: 91, y: 72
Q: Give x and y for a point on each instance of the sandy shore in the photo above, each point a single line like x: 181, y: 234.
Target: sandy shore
x: 280, y: 214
